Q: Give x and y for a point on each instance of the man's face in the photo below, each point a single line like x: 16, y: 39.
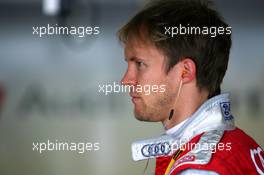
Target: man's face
x: 147, y: 68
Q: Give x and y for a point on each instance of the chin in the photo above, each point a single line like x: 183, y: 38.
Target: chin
x: 141, y: 116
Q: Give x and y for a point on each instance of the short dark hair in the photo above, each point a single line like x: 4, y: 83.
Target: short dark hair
x: 210, y: 54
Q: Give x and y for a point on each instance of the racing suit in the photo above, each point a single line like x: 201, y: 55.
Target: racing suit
x: 208, y: 143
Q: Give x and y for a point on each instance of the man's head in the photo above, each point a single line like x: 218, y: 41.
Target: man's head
x: 198, y: 61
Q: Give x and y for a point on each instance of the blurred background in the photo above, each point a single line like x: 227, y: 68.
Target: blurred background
x: 49, y: 85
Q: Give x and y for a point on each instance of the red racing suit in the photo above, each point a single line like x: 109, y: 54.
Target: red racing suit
x: 236, y: 153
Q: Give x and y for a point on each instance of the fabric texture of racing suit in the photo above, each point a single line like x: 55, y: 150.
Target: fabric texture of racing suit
x: 211, y: 144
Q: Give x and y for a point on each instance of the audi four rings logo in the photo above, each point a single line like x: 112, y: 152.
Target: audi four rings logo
x: 156, y: 149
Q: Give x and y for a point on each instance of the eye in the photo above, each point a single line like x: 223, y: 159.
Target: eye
x: 140, y: 64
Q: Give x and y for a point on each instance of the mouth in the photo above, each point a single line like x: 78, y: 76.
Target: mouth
x: 134, y: 98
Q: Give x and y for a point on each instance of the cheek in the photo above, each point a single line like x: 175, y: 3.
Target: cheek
x: 154, y: 82
x: 153, y: 85
x: 151, y: 78
x: 156, y: 91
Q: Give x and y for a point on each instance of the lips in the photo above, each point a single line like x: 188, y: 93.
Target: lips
x: 134, y: 98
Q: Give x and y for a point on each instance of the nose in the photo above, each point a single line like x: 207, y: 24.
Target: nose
x: 129, y: 78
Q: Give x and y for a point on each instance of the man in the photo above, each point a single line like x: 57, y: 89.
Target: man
x: 184, y: 46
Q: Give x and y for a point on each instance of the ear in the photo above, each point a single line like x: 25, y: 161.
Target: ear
x: 188, y: 70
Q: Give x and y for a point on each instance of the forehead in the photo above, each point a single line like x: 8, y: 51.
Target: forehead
x: 143, y: 50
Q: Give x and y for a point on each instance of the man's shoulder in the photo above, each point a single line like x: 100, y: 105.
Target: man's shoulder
x: 238, y: 140
x: 220, y: 151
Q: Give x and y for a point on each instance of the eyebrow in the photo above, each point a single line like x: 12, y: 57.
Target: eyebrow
x: 132, y: 59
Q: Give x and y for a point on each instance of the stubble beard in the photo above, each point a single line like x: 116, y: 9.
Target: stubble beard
x: 156, y: 110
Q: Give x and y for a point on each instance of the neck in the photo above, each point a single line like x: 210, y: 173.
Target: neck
x: 188, y: 103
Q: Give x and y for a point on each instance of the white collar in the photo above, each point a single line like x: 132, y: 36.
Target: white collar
x: 175, y: 128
